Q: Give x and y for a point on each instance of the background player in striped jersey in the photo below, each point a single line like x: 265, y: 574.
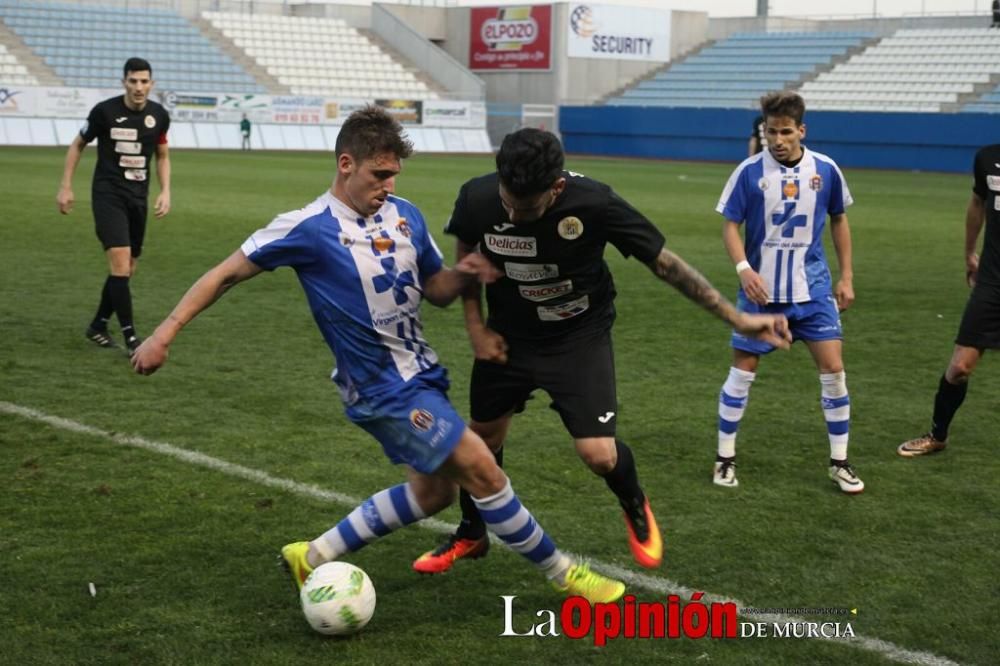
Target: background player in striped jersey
x: 366, y: 260
x: 782, y: 197
x: 980, y: 326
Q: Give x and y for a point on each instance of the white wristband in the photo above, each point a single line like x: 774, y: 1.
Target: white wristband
x: 742, y: 266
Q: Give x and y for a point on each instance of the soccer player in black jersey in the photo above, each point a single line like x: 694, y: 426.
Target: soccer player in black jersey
x: 980, y: 327
x: 129, y: 129
x: 550, y: 318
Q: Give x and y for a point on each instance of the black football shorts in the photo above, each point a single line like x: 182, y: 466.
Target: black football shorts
x: 579, y: 378
x: 980, y: 327
x: 120, y: 221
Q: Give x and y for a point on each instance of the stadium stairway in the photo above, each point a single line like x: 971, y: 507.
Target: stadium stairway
x: 38, y: 73
x: 408, y: 66
x: 86, y: 44
x: 272, y: 85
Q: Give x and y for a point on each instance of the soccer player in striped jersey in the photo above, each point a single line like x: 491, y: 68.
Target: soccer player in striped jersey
x: 782, y: 197
x: 366, y: 260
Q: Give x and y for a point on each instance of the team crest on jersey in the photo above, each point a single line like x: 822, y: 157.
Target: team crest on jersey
x: 816, y: 183
x: 421, y: 420
x: 403, y: 228
x: 382, y: 244
x: 149, y: 121
x: 790, y: 189
x: 763, y: 184
x: 570, y: 228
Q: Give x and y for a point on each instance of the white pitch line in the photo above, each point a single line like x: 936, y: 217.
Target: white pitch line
x: 657, y: 584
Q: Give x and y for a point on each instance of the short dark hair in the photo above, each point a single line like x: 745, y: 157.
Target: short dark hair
x: 529, y: 161
x: 784, y: 103
x: 136, y: 65
x: 372, y: 131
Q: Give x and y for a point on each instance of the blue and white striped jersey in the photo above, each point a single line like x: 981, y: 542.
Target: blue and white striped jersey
x: 363, y: 279
x: 784, y: 210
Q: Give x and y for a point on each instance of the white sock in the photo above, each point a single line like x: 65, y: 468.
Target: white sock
x: 732, y: 403
x: 837, y: 411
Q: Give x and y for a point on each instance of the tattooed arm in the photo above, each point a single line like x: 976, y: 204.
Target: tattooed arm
x: 677, y: 273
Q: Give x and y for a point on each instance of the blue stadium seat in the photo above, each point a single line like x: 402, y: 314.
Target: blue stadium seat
x: 86, y: 46
x: 736, y: 71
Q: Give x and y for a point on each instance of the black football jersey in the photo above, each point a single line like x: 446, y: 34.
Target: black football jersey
x: 987, y: 186
x: 555, y: 284
x: 126, y: 144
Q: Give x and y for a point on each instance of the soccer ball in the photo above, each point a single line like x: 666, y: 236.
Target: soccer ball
x: 338, y: 599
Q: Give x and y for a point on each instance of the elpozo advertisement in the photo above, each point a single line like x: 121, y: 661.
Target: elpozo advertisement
x: 510, y: 38
x: 618, y: 33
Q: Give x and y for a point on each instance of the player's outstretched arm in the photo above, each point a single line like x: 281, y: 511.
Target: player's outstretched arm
x: 677, y: 273
x: 152, y: 353
x: 444, y: 286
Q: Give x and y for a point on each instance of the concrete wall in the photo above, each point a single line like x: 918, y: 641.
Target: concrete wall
x: 431, y: 22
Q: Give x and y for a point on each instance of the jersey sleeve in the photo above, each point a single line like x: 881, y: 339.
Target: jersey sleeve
x: 429, y: 257
x: 93, y: 126
x: 733, y: 202
x: 630, y: 231
x: 286, y: 241
x: 459, y: 224
x: 979, y: 185
x: 840, y: 195
x: 166, y: 127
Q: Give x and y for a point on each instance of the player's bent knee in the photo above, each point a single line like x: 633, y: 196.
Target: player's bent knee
x: 433, y: 498
x: 599, y: 462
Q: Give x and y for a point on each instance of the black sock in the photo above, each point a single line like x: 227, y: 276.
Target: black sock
x: 472, y: 525
x: 121, y: 299
x: 105, y: 309
x: 623, y: 480
x: 947, y: 401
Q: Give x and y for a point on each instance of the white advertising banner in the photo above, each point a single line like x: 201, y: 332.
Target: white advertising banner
x: 618, y: 33
x: 443, y: 113
x: 76, y: 103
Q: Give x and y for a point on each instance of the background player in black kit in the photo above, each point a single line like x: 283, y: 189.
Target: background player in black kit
x: 129, y: 129
x: 980, y: 327
x: 550, y: 318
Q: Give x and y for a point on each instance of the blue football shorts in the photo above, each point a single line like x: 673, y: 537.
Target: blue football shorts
x: 811, y: 321
x: 416, y: 425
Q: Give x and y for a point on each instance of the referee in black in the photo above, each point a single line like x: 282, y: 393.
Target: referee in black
x: 980, y: 326
x: 129, y: 129
x: 550, y: 318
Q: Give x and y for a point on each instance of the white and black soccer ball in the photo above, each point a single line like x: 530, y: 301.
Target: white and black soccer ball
x: 338, y: 599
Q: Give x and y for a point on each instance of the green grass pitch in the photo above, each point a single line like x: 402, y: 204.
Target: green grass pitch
x: 182, y: 557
